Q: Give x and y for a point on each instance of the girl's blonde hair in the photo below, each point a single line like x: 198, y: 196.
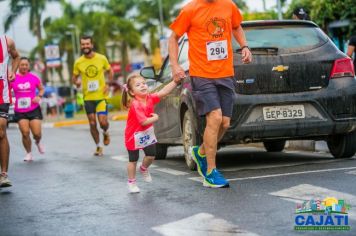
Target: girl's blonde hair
x: 126, y: 92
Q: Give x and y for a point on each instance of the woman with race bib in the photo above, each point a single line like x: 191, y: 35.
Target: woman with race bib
x: 27, y: 108
x: 139, y: 132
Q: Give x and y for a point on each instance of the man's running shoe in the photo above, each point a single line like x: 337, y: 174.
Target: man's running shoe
x: 200, y: 160
x: 40, y: 148
x: 4, y: 181
x: 133, y: 187
x: 98, y: 151
x: 28, y: 157
x: 146, y: 175
x: 106, y: 138
x: 215, y: 180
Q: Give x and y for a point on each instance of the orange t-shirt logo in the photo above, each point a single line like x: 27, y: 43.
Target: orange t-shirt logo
x: 216, y: 27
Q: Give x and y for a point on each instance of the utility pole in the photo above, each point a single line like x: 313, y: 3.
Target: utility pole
x: 279, y: 7
x: 160, y: 16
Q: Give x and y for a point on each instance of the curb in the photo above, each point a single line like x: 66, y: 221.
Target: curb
x: 59, y: 124
x: 69, y: 123
x: 119, y: 117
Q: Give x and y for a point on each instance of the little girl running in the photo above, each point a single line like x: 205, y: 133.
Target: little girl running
x: 139, y: 133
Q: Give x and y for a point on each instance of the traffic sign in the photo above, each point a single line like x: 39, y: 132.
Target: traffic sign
x: 53, y: 58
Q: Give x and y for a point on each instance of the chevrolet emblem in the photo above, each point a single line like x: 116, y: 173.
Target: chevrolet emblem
x: 280, y: 68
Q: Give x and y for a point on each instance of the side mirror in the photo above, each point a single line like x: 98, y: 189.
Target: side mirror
x: 148, y: 73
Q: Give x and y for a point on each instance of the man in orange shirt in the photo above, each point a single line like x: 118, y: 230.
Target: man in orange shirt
x: 210, y: 25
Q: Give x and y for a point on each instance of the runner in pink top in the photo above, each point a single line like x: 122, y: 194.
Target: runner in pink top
x: 27, y: 108
x: 24, y: 87
x: 139, y: 132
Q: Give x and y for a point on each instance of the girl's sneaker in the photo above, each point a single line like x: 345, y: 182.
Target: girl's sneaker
x: 133, y: 187
x: 40, y: 148
x: 28, y: 157
x: 146, y: 175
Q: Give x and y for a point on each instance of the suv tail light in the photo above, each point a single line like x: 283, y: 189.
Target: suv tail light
x: 342, y: 67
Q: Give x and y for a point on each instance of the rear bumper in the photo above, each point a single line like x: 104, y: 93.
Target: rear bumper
x: 329, y: 111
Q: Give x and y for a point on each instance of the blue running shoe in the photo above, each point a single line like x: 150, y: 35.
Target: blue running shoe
x: 215, y: 180
x: 200, y: 160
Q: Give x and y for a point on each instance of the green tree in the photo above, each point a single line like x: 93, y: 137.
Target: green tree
x: 325, y: 11
x: 35, y: 9
x: 241, y: 4
x: 148, y: 17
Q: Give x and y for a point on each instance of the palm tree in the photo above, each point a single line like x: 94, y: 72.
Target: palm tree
x: 35, y: 9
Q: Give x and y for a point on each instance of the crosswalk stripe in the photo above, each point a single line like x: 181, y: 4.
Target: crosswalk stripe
x: 204, y: 224
x: 172, y: 171
x: 305, y: 192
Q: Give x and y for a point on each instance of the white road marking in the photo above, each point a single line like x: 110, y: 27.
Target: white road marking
x: 201, y: 224
x: 199, y: 179
x: 293, y: 173
x: 353, y: 172
x: 257, y: 167
x: 303, y: 192
x: 125, y: 158
x: 172, y: 171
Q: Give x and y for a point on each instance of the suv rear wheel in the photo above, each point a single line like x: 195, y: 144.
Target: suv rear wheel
x: 161, y: 151
x: 342, y: 146
x: 190, y: 139
x: 274, y: 146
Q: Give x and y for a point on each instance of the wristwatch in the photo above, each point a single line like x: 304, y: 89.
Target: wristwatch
x: 245, y: 47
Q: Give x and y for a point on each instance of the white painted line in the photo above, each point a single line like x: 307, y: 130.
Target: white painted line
x: 201, y: 224
x: 172, y: 171
x: 353, y: 172
x: 293, y: 173
x: 123, y: 158
x: 197, y: 179
x: 304, y: 192
x: 290, y: 164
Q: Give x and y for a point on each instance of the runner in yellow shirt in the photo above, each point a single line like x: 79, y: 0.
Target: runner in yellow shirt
x: 92, y: 66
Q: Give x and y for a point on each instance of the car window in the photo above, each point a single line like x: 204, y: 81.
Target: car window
x: 284, y: 37
x: 182, y: 60
x: 183, y: 56
x: 167, y: 72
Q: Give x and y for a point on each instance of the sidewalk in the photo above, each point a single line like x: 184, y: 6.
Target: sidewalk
x: 78, y: 119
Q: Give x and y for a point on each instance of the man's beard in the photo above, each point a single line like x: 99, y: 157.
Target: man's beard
x: 87, y: 51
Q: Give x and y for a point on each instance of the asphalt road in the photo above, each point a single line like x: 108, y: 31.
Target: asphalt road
x: 68, y: 191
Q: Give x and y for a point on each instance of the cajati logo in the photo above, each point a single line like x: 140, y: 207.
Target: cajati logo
x: 327, y: 214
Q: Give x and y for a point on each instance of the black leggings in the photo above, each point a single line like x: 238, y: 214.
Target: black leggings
x: 149, y: 151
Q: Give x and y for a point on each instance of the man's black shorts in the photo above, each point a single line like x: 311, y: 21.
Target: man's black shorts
x: 31, y: 115
x: 149, y: 151
x: 212, y: 94
x: 4, y: 110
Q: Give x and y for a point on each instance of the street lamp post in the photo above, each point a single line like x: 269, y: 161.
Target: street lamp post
x: 74, y: 57
x: 76, y: 44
